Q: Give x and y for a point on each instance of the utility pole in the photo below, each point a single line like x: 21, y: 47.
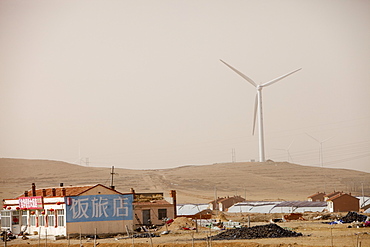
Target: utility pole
x: 216, y: 203
x: 363, y: 196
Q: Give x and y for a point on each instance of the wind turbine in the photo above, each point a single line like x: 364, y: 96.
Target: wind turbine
x: 290, y: 159
x: 258, y: 106
x: 320, y: 150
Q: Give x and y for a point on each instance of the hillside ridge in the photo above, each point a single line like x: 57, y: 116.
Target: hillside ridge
x: 194, y: 184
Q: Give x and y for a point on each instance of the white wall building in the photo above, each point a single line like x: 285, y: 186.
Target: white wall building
x: 68, y: 210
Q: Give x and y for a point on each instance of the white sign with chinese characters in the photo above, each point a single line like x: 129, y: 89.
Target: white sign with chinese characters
x: 33, y: 202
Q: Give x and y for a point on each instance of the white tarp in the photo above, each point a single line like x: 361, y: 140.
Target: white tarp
x: 278, y: 207
x: 190, y: 209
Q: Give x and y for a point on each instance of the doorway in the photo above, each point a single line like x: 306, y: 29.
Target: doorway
x: 146, y: 217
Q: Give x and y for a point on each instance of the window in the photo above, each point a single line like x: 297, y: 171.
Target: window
x: 162, y: 213
x: 5, y: 219
x: 15, y: 218
x: 41, y: 218
x: 51, y: 218
x: 146, y: 217
x: 60, y: 214
x: 24, y: 218
x: 32, y: 218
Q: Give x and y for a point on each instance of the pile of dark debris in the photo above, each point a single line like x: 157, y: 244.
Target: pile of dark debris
x: 352, y: 217
x: 263, y: 231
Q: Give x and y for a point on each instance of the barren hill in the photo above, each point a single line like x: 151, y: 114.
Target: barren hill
x: 196, y: 184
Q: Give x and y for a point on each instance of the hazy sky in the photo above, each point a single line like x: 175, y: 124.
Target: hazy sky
x: 139, y: 84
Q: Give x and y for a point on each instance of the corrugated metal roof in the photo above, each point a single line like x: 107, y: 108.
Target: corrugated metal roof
x: 256, y: 203
x: 265, y: 209
x: 252, y: 207
x: 287, y: 210
x: 299, y: 204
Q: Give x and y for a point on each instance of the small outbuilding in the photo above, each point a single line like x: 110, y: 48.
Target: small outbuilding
x: 224, y: 203
x: 153, y: 208
x: 317, y: 197
x: 343, y: 202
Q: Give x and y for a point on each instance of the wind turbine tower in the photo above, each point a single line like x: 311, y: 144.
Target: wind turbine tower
x: 290, y: 159
x: 258, y: 106
x: 320, y: 148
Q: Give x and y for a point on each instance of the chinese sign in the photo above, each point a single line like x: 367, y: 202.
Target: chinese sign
x: 99, y: 208
x: 34, y: 202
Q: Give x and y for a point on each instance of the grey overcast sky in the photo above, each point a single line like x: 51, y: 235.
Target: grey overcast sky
x: 139, y: 84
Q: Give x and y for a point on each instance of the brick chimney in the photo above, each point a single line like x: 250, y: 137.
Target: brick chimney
x: 133, y: 192
x: 33, y: 189
x: 173, y: 195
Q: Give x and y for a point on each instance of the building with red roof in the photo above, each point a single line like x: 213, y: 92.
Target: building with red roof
x: 68, y: 210
x: 317, y: 197
x: 343, y: 202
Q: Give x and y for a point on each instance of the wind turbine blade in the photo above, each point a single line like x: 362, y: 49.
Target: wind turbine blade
x: 327, y: 139
x: 290, y: 145
x: 240, y: 73
x: 255, y: 114
x: 279, y: 78
x: 313, y: 137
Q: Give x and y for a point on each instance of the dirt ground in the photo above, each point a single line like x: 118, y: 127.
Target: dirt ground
x: 315, y: 233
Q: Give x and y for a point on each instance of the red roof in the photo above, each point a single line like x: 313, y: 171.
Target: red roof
x: 223, y: 199
x: 340, y: 195
x: 316, y: 194
x: 70, y: 191
x: 333, y: 194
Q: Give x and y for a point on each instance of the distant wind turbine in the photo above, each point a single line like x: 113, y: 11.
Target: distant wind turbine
x: 258, y: 106
x: 290, y: 159
x: 320, y: 150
